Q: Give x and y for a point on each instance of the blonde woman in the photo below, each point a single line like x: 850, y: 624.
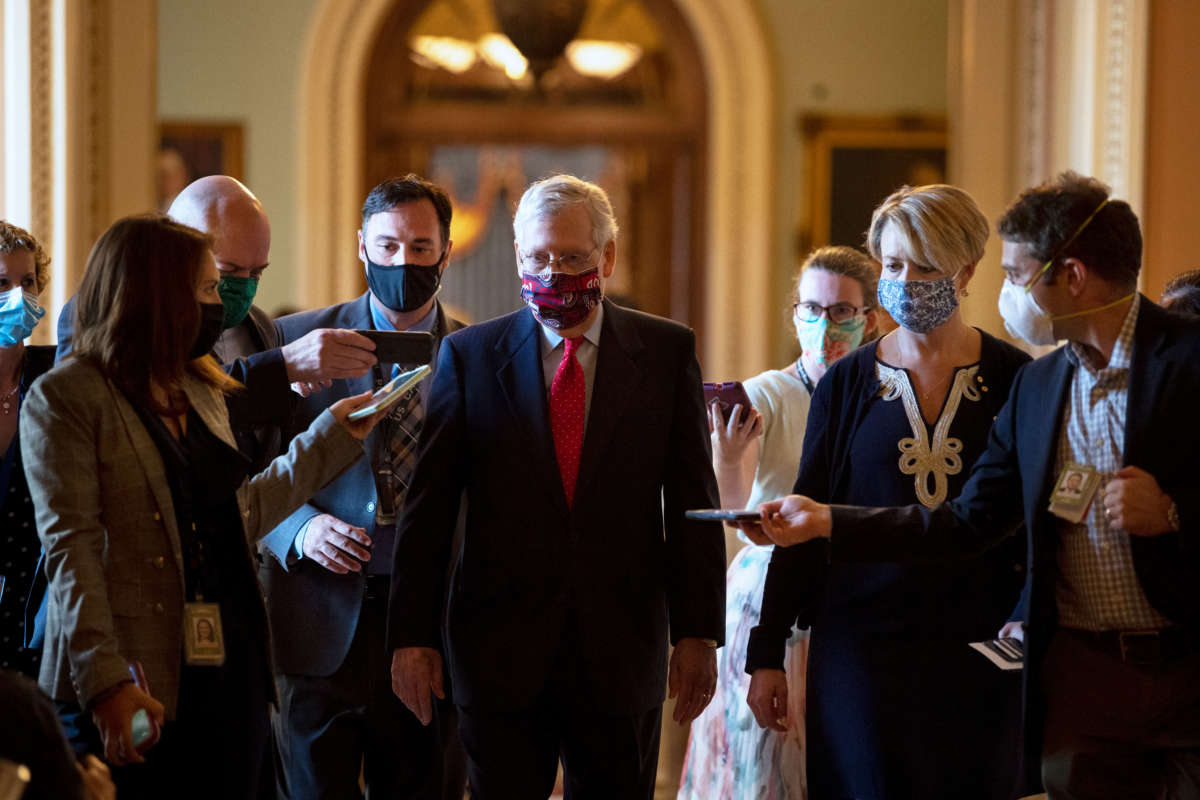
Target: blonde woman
x: 833, y: 309
x: 897, y: 705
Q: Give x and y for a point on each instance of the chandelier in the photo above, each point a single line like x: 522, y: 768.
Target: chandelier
x: 523, y: 38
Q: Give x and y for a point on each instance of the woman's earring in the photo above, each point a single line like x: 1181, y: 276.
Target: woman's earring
x: 962, y: 292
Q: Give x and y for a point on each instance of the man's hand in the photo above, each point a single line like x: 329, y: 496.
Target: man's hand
x: 794, y: 519
x: 1012, y: 630
x: 416, y: 673
x: 692, y: 677
x: 1135, y: 504
x: 114, y: 719
x: 325, y: 354
x: 768, y: 699
x: 337, y: 546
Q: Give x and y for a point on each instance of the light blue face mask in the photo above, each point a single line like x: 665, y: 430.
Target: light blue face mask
x: 19, y: 314
x: 919, y: 306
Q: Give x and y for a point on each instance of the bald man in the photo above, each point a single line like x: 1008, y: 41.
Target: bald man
x: 225, y: 209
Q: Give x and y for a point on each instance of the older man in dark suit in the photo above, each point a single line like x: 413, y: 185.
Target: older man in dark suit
x: 1112, y: 650
x: 576, y: 429
x: 328, y: 575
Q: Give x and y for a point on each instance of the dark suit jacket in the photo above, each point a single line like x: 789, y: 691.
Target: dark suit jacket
x: 314, y: 612
x: 1013, y: 480
x: 260, y: 443
x: 583, y: 595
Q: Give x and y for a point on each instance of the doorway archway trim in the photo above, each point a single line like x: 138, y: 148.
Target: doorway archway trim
x: 740, y: 191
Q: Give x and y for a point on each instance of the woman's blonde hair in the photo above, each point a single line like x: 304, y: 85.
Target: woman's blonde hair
x: 940, y: 224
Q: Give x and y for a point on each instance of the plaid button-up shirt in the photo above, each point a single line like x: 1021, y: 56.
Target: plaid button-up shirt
x: 1097, y: 586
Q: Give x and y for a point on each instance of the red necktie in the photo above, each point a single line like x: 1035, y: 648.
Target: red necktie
x: 566, y: 415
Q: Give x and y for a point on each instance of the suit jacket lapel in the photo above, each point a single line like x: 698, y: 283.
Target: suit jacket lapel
x: 523, y: 386
x: 1148, y: 374
x: 618, y: 375
x: 356, y: 315
x: 1043, y: 429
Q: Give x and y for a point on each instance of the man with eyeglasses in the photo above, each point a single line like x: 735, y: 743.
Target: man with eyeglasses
x: 328, y: 578
x: 577, y: 431
x: 1112, y: 645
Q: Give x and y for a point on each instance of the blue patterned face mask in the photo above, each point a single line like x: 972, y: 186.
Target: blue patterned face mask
x: 919, y: 306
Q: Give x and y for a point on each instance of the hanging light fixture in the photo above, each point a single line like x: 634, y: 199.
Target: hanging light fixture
x: 540, y: 29
x: 601, y: 59
x: 499, y: 51
x: 448, y: 52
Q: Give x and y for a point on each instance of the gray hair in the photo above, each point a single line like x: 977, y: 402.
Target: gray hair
x: 551, y: 195
x: 940, y: 225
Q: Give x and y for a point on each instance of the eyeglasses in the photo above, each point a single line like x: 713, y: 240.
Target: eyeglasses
x: 838, y: 312
x: 540, y: 261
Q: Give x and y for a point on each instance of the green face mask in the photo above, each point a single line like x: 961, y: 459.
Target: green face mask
x: 237, y: 295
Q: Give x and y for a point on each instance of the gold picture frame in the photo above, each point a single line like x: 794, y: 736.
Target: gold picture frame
x: 851, y: 163
x: 189, y: 150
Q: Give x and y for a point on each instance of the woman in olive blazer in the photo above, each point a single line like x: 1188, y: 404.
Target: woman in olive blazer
x: 122, y: 443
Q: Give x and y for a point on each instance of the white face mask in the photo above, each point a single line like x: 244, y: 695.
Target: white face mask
x: 1023, y: 316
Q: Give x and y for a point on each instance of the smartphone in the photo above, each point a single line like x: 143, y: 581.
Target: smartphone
x: 401, y: 347
x: 145, y: 728
x: 723, y: 514
x: 391, y: 392
x: 727, y: 395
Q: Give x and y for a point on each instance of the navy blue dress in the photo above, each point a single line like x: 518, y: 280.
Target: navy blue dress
x: 24, y: 582
x: 898, y: 705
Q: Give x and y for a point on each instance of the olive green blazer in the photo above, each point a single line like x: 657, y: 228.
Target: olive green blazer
x: 107, y: 523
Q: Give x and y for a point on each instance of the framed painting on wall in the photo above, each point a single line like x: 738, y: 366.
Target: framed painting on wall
x: 191, y: 150
x: 852, y: 163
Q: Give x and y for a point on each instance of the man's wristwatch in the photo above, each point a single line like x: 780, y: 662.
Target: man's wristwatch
x: 1173, y: 517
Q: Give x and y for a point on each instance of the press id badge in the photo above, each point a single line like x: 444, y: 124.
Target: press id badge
x: 1073, y: 491
x: 203, y: 639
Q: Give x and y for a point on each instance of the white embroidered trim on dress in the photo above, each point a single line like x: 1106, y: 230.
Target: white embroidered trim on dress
x: 917, y: 457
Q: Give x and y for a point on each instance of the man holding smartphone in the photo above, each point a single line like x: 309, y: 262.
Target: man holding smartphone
x: 330, y: 568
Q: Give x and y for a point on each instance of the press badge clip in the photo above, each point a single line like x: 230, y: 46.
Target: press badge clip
x: 203, y: 637
x: 1073, y: 491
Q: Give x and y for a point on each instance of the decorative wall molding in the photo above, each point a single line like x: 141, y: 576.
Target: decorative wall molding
x: 741, y: 127
x: 1035, y: 87
x: 41, y: 119
x: 1121, y: 107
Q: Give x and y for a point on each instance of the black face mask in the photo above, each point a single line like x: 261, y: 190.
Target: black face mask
x: 212, y: 323
x: 404, y: 287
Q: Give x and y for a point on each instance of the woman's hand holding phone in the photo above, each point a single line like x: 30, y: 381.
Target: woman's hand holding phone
x: 730, y: 439
x: 114, y: 718
x: 342, y: 409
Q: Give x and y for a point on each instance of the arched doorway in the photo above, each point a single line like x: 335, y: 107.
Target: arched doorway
x: 485, y: 135
x: 734, y: 246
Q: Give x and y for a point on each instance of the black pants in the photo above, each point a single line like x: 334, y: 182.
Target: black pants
x: 515, y: 755
x: 1118, y: 730
x: 328, y: 727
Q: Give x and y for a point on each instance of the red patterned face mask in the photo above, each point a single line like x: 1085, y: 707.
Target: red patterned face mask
x: 559, y: 300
